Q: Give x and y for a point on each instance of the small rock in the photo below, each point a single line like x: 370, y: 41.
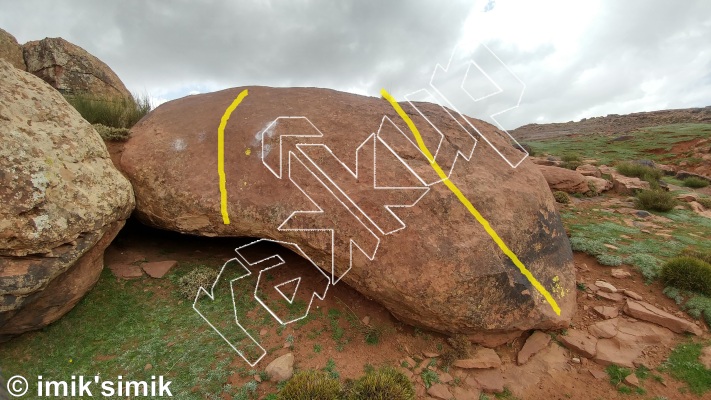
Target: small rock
x: 575, y: 360
x: 439, y: 391
x: 148, y: 367
x: 430, y: 354
x: 598, y: 374
x: 445, y: 377
x: 579, y: 342
x: 263, y: 332
x: 620, y: 273
x: 632, y: 295
x: 489, y: 380
x: 607, y: 312
x: 617, y: 297
x: 126, y: 271
x: 281, y: 369
x: 257, y: 378
x: 461, y: 393
x: 605, y: 287
x: 158, y: 269
x: 410, y: 362
x: 604, y: 329
x: 611, y: 247
x: 647, y: 312
x: 643, y: 214
x: 482, y: 358
x: 632, y: 380
x: 366, y: 320
x: 535, y: 343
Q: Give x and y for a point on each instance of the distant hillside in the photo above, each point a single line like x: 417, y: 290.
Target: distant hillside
x: 612, y: 124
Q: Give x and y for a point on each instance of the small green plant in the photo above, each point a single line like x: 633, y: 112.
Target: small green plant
x: 110, y: 134
x: 429, y: 377
x: 587, y: 246
x: 317, y: 348
x: 706, y: 202
x: 561, y: 197
x: 119, y: 112
x: 384, y: 383
x: 581, y: 286
x: 655, y: 200
x: 643, y: 172
x: 688, y: 273
x: 617, y: 374
x: 699, y: 306
x: 571, y: 161
x: 683, y: 364
x: 701, y: 255
x: 330, y: 369
x: 648, y: 265
x: 311, y: 385
x: 189, y: 283
x: 609, y: 260
x: 695, y: 183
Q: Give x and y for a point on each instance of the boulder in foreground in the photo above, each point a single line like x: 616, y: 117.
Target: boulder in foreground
x: 433, y: 266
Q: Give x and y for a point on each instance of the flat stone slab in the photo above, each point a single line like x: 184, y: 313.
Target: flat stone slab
x: 158, y: 269
x: 126, y: 271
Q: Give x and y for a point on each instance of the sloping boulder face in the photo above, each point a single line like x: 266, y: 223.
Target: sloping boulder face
x: 71, y: 69
x: 442, y: 270
x: 10, y: 50
x: 62, y: 203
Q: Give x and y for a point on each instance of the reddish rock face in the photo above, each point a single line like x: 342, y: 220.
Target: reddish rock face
x: 10, y: 50
x: 564, y: 179
x: 435, y: 267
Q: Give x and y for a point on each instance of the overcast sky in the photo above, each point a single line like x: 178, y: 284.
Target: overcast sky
x: 576, y: 58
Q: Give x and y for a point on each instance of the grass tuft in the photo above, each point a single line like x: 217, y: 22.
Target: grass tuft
x: 683, y: 364
x: 381, y: 384
x: 561, y: 197
x: 311, y: 385
x: 655, y: 200
x: 695, y: 183
x: 687, y: 273
x: 116, y: 112
x: 643, y: 172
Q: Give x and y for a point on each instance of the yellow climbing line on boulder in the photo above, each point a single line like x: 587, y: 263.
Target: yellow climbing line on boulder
x: 221, y: 154
x: 480, y: 218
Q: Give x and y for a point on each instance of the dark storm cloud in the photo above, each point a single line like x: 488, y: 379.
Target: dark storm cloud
x: 631, y: 56
x: 226, y: 43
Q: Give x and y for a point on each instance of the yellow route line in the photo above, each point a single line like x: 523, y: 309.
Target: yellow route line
x: 221, y: 154
x: 480, y: 218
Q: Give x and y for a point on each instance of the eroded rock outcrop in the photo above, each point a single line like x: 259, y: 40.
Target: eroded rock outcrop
x: 435, y: 267
x: 71, y: 69
x: 62, y: 200
x: 10, y: 50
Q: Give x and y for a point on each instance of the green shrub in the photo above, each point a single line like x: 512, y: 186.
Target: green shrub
x: 383, y: 384
x: 688, y: 273
x: 696, y: 183
x: 587, y: 246
x: 189, y: 284
x: 609, y: 260
x: 648, y: 265
x: 706, y: 202
x: 704, y: 256
x: 112, y: 134
x: 699, y: 306
x: 311, y: 385
x: 119, y: 112
x: 640, y: 171
x: 561, y: 197
x: 655, y: 200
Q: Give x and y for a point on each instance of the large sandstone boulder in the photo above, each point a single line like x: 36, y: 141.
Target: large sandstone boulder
x: 440, y: 271
x: 10, y: 50
x: 71, y: 69
x: 565, y: 180
x: 62, y: 200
